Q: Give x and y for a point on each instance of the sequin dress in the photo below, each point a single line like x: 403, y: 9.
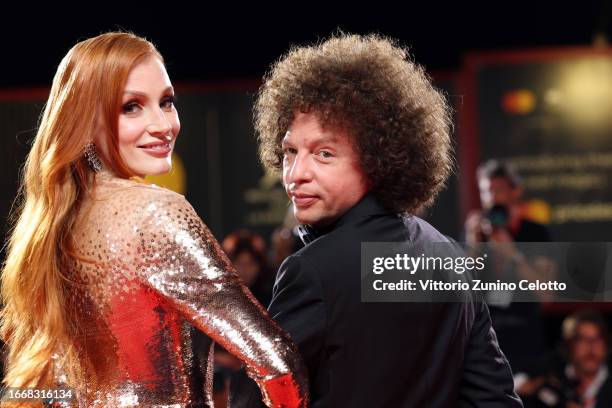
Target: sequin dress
x: 151, y: 291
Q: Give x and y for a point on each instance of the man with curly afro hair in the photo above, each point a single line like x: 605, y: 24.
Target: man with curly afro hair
x: 362, y: 139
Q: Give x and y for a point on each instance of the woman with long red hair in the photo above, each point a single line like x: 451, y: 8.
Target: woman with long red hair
x: 108, y: 279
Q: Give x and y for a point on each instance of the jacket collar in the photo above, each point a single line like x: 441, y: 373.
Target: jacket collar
x: 369, y: 205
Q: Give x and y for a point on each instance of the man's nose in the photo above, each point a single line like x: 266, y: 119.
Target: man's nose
x: 301, y: 169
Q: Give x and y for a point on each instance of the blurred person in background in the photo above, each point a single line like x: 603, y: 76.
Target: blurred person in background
x: 501, y: 218
x: 578, y: 376
x: 248, y: 253
x: 587, y: 339
x: 501, y: 222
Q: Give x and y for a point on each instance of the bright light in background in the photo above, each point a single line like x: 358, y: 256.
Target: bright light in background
x: 553, y: 97
x: 519, y: 102
x: 585, y: 91
x: 537, y: 210
x: 175, y: 180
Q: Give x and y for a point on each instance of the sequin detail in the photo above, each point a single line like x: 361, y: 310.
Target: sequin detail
x: 152, y: 290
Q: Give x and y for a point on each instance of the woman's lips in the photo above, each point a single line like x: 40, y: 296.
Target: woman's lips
x: 157, y: 149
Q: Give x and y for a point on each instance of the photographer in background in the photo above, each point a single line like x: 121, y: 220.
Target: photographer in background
x: 576, y: 376
x: 585, y: 376
x: 500, y: 221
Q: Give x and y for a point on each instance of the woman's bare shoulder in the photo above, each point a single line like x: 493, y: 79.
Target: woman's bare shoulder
x: 134, y: 194
x: 132, y: 202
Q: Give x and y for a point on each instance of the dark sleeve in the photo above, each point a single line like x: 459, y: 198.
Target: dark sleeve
x: 487, y: 377
x: 297, y: 306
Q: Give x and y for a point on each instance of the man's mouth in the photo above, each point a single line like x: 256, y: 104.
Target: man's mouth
x: 303, y: 200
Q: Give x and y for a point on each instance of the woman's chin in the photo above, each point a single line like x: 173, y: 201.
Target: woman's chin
x: 154, y: 170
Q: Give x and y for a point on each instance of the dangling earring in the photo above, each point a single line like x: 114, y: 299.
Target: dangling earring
x: 92, y: 157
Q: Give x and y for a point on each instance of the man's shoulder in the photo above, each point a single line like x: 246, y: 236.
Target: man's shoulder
x: 317, y: 250
x: 344, y: 241
x: 420, y: 230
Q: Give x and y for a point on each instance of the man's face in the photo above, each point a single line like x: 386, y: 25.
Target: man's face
x: 588, y: 349
x: 497, y: 191
x: 321, y: 171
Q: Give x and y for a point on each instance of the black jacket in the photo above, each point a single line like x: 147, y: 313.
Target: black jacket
x: 382, y: 354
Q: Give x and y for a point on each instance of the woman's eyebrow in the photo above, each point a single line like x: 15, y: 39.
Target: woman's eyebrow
x: 168, y: 89
x: 135, y: 93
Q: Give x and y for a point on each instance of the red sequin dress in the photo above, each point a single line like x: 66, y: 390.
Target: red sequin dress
x: 151, y: 290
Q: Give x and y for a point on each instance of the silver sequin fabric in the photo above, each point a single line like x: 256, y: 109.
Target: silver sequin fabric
x: 151, y: 290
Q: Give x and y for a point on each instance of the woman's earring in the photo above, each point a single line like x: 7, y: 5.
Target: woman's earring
x: 92, y: 157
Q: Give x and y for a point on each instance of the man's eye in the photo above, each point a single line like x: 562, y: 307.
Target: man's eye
x: 289, y: 151
x: 130, y: 107
x: 325, y: 154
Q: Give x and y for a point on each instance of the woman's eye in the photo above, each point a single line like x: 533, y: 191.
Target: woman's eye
x: 130, y: 107
x: 289, y: 151
x: 168, y: 103
x: 325, y: 154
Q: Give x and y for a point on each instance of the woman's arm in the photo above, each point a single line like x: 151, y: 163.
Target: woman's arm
x: 178, y: 256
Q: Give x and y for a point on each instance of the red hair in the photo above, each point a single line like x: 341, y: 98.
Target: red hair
x: 85, y: 98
